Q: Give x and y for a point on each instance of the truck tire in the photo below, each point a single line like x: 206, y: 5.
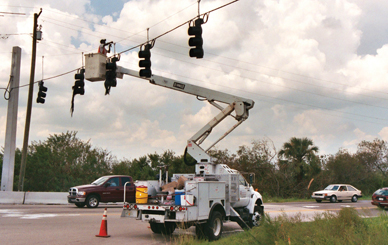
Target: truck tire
x: 156, y: 227
x: 166, y: 229
x: 80, y: 204
x: 213, y: 227
x: 255, y: 218
x: 92, y: 201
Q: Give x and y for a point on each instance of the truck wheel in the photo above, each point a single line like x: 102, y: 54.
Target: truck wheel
x: 165, y: 229
x: 92, y: 201
x: 80, y: 204
x: 255, y: 217
x: 318, y: 201
x: 156, y: 227
x: 168, y: 228
x: 214, y: 225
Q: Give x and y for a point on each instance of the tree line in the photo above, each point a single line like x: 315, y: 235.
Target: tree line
x: 296, y: 170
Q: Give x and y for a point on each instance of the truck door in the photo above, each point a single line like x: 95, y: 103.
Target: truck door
x: 130, y: 189
x: 112, y: 192
x: 244, y: 192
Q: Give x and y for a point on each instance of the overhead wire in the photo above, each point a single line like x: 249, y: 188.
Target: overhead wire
x: 275, y: 69
x: 173, y: 29
x: 255, y: 64
x: 284, y: 100
x: 232, y: 59
x: 279, y: 85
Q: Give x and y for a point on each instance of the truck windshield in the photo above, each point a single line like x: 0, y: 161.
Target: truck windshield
x: 100, y: 181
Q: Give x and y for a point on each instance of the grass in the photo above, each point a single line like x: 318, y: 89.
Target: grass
x: 345, y: 227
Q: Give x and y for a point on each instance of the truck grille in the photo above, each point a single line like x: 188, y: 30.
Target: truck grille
x: 73, y: 191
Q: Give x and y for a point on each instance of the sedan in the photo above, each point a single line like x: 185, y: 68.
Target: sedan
x: 380, y: 197
x: 337, y: 192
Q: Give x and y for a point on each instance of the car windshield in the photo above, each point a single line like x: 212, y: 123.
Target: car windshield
x: 332, y: 188
x: 100, y: 181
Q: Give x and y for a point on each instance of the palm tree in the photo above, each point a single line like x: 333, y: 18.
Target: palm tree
x: 298, y: 151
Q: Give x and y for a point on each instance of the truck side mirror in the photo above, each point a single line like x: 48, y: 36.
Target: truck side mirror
x: 250, y: 179
x: 107, y: 184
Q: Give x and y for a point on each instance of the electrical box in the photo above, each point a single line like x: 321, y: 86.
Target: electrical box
x: 95, y: 67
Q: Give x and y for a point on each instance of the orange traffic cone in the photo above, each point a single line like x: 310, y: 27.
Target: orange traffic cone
x: 104, y: 226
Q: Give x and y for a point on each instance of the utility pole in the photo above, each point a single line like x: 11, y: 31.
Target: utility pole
x: 29, y: 104
x: 12, y: 113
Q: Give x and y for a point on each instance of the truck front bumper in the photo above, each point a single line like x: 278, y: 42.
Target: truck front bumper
x: 75, y: 199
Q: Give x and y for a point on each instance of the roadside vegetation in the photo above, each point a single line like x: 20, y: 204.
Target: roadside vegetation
x: 345, y: 227
x: 290, y: 173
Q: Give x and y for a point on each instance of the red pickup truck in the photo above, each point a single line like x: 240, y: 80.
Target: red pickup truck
x: 105, y: 189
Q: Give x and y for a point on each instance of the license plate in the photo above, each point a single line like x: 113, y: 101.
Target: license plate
x: 381, y: 199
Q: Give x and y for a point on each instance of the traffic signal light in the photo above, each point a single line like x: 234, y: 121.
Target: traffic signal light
x: 79, y: 85
x: 41, y: 93
x: 110, y: 75
x: 146, y: 62
x: 196, y: 41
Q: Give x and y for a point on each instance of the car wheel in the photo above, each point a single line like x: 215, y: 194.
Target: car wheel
x: 214, y: 226
x: 333, y: 199
x: 80, y: 204
x: 354, y: 198
x: 319, y: 201
x: 92, y: 201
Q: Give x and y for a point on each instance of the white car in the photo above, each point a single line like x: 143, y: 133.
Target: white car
x: 337, y: 192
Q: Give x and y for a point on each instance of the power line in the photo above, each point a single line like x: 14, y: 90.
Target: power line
x: 287, y: 87
x: 173, y: 29
x: 289, y: 101
x: 253, y: 64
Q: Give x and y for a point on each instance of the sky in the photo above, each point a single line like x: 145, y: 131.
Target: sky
x: 315, y: 69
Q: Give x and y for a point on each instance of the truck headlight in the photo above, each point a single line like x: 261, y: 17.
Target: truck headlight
x: 81, y: 193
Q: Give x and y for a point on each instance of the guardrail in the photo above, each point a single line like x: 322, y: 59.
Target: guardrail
x: 15, y: 197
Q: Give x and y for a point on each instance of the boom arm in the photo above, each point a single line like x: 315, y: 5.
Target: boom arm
x: 239, y: 105
x: 95, y: 65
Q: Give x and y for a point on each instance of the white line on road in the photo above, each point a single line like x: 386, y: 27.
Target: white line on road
x: 13, y: 213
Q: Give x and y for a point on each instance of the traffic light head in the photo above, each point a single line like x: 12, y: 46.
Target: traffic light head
x: 110, y: 75
x: 41, y: 93
x: 196, y: 40
x: 145, y: 63
x: 79, y: 85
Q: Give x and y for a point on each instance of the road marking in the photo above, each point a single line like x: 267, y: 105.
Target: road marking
x: 14, y: 213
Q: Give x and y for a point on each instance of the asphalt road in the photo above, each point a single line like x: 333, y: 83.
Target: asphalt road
x: 66, y: 224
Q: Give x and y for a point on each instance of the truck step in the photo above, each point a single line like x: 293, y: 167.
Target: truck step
x: 234, y: 216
